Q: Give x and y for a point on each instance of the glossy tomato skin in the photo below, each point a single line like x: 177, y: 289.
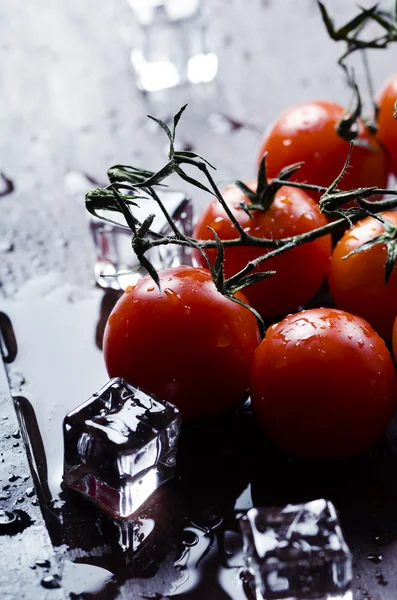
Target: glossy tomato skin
x: 357, y: 283
x: 187, y: 344
x: 394, y: 340
x: 299, y: 272
x: 387, y: 124
x: 323, y: 385
x: 306, y: 132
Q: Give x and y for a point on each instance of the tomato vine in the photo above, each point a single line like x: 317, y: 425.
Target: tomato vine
x: 131, y: 184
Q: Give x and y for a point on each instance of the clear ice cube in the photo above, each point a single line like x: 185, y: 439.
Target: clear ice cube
x: 296, y: 552
x: 114, y: 255
x: 120, y: 446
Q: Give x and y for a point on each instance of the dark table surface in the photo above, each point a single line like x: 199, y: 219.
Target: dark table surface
x: 69, y: 109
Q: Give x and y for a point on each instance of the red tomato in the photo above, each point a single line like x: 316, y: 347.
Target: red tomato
x: 306, y: 132
x: 187, y: 344
x: 357, y: 283
x: 394, y: 340
x: 300, y: 271
x: 323, y: 384
x: 387, y: 124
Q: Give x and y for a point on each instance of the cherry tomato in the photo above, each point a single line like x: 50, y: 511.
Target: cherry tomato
x: 323, y: 385
x: 357, y: 283
x: 187, y: 344
x: 300, y: 271
x: 387, y: 124
x: 306, y: 132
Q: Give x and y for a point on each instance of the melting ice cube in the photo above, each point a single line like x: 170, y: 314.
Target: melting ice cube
x: 297, y: 552
x: 120, y: 446
x: 114, y: 254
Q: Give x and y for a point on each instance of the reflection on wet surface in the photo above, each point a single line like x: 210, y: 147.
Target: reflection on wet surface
x: 186, y: 541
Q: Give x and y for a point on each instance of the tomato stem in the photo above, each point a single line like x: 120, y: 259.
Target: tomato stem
x: 351, y: 34
x: 127, y: 184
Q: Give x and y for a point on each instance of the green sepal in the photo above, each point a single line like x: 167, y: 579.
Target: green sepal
x: 146, y: 225
x: 177, y: 119
x: 147, y: 265
x: 188, y: 154
x: 190, y: 180
x: 218, y: 269
x: 248, y: 280
x: 246, y: 191
x: 167, y: 131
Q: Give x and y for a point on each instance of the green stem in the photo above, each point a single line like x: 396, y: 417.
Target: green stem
x: 168, y: 217
x: 204, y: 169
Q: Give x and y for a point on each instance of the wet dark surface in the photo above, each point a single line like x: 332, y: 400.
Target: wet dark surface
x: 185, y: 541
x: 70, y: 107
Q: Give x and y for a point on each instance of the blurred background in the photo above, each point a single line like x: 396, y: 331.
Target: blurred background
x: 77, y: 80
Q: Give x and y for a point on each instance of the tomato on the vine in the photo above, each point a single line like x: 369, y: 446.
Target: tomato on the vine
x: 299, y: 271
x: 387, y: 123
x: 358, y: 283
x: 307, y: 132
x: 323, y: 384
x: 187, y: 343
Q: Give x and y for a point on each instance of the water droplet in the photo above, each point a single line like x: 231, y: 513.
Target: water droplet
x: 45, y: 563
x: 112, y: 318
x: 383, y: 538
x: 381, y: 579
x: 7, y: 518
x: 287, y: 142
x: 57, y: 503
x: 50, y: 582
x: 12, y: 522
x: 190, y: 538
x: 375, y: 558
x: 6, y: 246
x: 130, y: 288
x: 225, y: 338
x: 173, y: 296
x: 16, y: 434
x: 150, y: 289
x: 30, y: 492
x: 187, y: 310
x: 13, y: 477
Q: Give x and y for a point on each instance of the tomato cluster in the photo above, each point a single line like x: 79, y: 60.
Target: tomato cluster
x: 322, y: 381
x: 299, y: 272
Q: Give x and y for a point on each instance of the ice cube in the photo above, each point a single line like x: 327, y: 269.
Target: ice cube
x: 120, y: 446
x: 297, y: 552
x: 114, y: 254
